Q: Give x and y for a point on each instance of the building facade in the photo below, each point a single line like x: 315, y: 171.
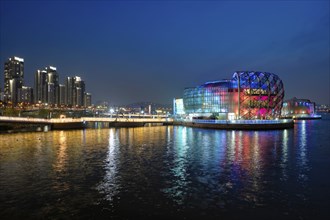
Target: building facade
x: 46, y: 86
x: 178, y: 108
x: 1, y: 96
x: 52, y: 85
x: 298, y: 107
x: 40, y: 88
x: 61, y: 95
x: 75, y: 90
x: 79, y: 91
x: 87, y: 99
x: 69, y: 86
x: 248, y: 95
x: 25, y: 95
x: 13, y: 79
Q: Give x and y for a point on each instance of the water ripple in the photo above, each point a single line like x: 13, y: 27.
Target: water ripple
x: 165, y: 171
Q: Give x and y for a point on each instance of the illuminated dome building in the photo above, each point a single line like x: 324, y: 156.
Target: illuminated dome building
x: 248, y: 95
x: 298, y: 108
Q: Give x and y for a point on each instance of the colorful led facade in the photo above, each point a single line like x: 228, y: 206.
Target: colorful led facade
x: 298, y: 107
x: 260, y: 94
x: 248, y: 95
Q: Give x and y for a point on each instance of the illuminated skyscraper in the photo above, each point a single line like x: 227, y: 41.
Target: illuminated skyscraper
x: 87, y: 99
x: 40, y: 88
x: 69, y: 85
x: 61, y: 95
x: 25, y: 94
x: 14, y: 78
x: 79, y: 91
x: 75, y: 89
x: 52, y: 85
x: 46, y: 86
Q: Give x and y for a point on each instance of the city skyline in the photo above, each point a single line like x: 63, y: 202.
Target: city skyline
x: 46, y: 89
x: 151, y: 51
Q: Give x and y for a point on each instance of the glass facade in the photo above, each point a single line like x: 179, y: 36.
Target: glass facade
x: 211, y: 97
x: 178, y: 108
x: 248, y: 95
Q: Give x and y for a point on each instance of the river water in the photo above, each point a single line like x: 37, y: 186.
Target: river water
x: 167, y: 172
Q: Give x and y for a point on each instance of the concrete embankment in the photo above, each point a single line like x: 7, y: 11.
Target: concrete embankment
x: 15, y: 128
x: 68, y: 125
x: 126, y: 124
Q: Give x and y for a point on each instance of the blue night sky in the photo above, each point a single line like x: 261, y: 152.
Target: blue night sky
x: 129, y: 51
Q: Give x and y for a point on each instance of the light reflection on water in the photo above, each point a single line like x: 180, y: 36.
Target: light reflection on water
x: 178, y: 180
x: 110, y: 185
x: 284, y: 158
x: 301, y: 137
x: 165, y: 170
x: 61, y: 161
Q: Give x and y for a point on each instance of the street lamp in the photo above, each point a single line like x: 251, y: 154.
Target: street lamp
x: 111, y: 112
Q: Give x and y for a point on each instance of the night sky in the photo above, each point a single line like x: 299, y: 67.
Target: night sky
x: 151, y: 50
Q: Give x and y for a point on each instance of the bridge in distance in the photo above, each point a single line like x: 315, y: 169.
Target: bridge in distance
x: 59, y: 123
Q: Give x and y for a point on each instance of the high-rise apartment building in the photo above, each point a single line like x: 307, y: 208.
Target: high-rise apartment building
x: 69, y: 85
x: 75, y: 90
x: 14, y: 78
x: 46, y: 86
x: 1, y: 95
x: 47, y: 89
x: 87, y: 99
x: 52, y: 85
x: 40, y: 88
x: 79, y: 91
x: 61, y: 95
x: 25, y: 94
